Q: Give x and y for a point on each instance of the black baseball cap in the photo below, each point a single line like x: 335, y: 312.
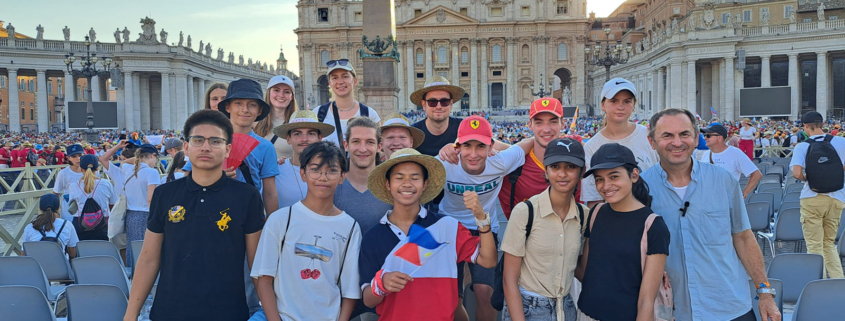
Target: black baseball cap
x: 716, y: 128
x: 610, y: 156
x: 50, y: 201
x: 812, y: 117
x: 564, y: 150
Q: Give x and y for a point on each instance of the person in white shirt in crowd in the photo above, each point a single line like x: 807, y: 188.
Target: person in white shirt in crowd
x: 139, y: 186
x: 118, y: 174
x: 68, y: 175
x: 342, y: 83
x: 729, y: 157
x: 765, y: 143
x: 618, y: 100
x: 746, y: 138
x: 48, y: 226
x: 397, y: 133
x: 302, y: 130
x: 175, y: 171
x: 280, y: 96
x: 477, y: 172
x: 91, y: 226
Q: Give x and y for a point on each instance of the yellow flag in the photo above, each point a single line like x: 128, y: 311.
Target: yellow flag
x: 574, y: 119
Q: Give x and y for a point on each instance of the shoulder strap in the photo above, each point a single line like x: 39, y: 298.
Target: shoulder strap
x: 828, y: 138
x: 322, y: 111
x: 364, y: 109
x: 287, y: 226
x: 273, y: 140
x: 593, y: 213
x: 337, y: 129
x: 343, y: 259
x: 711, y: 156
x: 513, y: 177
x: 580, y: 214
x: 247, y: 174
x: 530, y: 224
x: 59, y: 233
x: 644, y: 240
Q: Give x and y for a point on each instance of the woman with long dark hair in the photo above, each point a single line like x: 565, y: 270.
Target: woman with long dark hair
x: 90, y: 225
x: 280, y: 96
x: 48, y: 226
x: 175, y: 172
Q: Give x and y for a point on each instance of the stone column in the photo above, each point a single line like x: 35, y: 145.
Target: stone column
x: 658, y: 90
x: 202, y: 85
x: 794, y: 83
x: 765, y: 72
x: 307, y: 69
x: 821, y: 83
x: 145, y: 101
x: 409, y: 61
x: 474, y: 96
x: 510, y: 69
x: 715, y: 93
x: 429, y: 65
x: 579, y: 93
x: 182, y: 99
x: 129, y: 100
x: 456, y: 72
x: 95, y: 88
x: 14, y: 101
x: 120, y: 99
x: 136, y: 81
x: 485, y: 70
x: 691, y: 87
x: 677, y: 84
x: 165, y: 102
x: 189, y: 108
x: 730, y: 114
x: 667, y: 91
x: 402, y: 100
x: 544, y: 53
x: 173, y: 102
x: 42, y: 109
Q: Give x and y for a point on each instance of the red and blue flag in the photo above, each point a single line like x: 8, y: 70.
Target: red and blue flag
x: 420, y: 247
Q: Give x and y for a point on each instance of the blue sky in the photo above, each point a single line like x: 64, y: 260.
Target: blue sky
x: 253, y: 28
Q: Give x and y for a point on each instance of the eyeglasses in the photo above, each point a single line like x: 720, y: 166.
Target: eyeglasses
x: 443, y: 102
x: 316, y: 173
x: 711, y: 135
x: 342, y: 62
x: 215, y: 142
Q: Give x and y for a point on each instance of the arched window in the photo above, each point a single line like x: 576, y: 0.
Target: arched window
x: 49, y: 86
x: 2, y: 81
x: 561, y: 51
x: 420, y: 57
x: 442, y: 55
x: 31, y: 85
x: 526, y: 52
x: 22, y: 85
x: 324, y: 57
x: 464, y: 55
x: 497, y: 53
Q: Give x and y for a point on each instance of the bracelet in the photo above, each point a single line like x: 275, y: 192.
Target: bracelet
x: 377, y: 285
x: 489, y: 229
x: 763, y: 285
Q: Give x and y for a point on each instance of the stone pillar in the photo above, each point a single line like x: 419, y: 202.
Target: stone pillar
x: 821, y: 84
x: 202, y: 85
x: 120, y: 99
x: 658, y: 90
x: 145, y: 101
x: 402, y: 100
x: 677, y: 84
x: 69, y: 94
x: 192, y: 96
x: 456, y: 71
x: 691, y: 87
x: 165, y: 102
x: 510, y: 69
x: 729, y: 89
x: 544, y: 51
x: 42, y: 109
x: 485, y: 70
x: 715, y: 92
x: 765, y: 72
x: 136, y: 110
x: 95, y: 88
x: 474, y: 96
x: 14, y: 101
x: 579, y: 93
x: 307, y: 69
x: 129, y: 101
x: 182, y: 98
x: 409, y: 61
x: 380, y: 83
x: 429, y: 65
x: 667, y: 91
x: 794, y: 83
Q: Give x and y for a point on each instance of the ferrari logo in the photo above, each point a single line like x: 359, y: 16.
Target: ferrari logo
x: 474, y: 124
x: 176, y: 214
x: 545, y: 103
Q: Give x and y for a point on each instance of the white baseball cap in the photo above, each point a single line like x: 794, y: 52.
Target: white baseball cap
x: 281, y: 80
x: 615, y: 85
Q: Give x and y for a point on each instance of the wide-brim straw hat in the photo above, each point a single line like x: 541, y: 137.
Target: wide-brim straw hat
x: 437, y: 83
x: 436, y: 175
x: 303, y: 119
x: 396, y: 120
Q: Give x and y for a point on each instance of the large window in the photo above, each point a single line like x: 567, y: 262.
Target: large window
x: 420, y: 57
x: 464, y: 55
x: 808, y: 86
x: 786, y: 11
x: 2, y: 81
x: 31, y: 86
x: 496, y: 12
x: 561, y: 51
x: 497, y: 53
x: 22, y: 85
x: 562, y: 6
x: 49, y: 86
x: 324, y: 57
x: 780, y: 73
x: 322, y: 14
x: 442, y: 55
x: 746, y: 16
x: 725, y: 18
x: 526, y: 52
x: 752, y: 75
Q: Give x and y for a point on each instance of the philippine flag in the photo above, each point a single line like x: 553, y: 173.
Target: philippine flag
x: 420, y: 247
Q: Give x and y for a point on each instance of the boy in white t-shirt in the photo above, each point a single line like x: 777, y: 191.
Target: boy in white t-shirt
x: 306, y: 264
x: 477, y: 172
x: 302, y: 130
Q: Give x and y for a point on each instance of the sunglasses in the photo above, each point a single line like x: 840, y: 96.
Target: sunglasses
x: 711, y: 135
x: 342, y: 62
x: 445, y: 102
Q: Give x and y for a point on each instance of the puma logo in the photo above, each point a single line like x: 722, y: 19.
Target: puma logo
x: 565, y: 145
x: 823, y: 160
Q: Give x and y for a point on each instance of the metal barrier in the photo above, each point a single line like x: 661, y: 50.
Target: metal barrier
x: 774, y: 151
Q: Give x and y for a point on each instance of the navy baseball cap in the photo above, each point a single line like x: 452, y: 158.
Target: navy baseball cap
x: 812, y: 117
x: 75, y: 149
x: 716, y: 128
x: 564, y: 150
x: 148, y: 148
x: 49, y: 201
x: 610, y: 156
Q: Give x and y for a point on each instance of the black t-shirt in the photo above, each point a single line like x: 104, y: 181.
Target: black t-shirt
x: 432, y: 144
x: 613, y: 274
x: 202, y: 255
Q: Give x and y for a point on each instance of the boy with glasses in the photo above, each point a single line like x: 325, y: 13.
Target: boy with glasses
x: 342, y: 83
x: 200, y: 229
x: 306, y: 266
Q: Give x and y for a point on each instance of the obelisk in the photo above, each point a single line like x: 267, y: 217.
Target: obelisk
x: 380, y: 67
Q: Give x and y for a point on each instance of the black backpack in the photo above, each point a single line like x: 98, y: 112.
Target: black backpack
x: 92, y: 217
x: 823, y: 166
x: 32, y: 157
x: 45, y: 238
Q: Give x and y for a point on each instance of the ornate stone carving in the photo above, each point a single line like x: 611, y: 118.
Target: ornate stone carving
x: 148, y: 36
x: 231, y: 57
x: 66, y: 32
x: 241, y: 60
x: 40, y: 33
x: 208, y: 49
x: 820, y: 12
x: 10, y: 29
x: 440, y: 15
x: 675, y: 27
x: 92, y: 35
x: 219, y: 54
x: 709, y: 17
x: 117, y: 35
x: 738, y: 21
x: 181, y: 38
x: 201, y: 48
x: 189, y: 43
x: 125, y: 34
x: 249, y: 63
x: 163, y: 36
x: 378, y: 48
x: 792, y: 16
x: 691, y: 22
x: 764, y: 18
x: 567, y: 96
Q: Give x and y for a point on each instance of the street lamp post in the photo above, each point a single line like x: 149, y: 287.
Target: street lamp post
x: 542, y: 93
x: 89, y: 70
x: 613, y: 54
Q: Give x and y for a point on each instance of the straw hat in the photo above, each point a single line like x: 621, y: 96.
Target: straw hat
x: 396, y: 120
x: 437, y: 83
x: 436, y: 175
x: 303, y: 119
x: 27, y: 144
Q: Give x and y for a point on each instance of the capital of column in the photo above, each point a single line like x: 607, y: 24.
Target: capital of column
x: 484, y: 41
x: 821, y: 54
x: 306, y: 47
x: 792, y: 55
x: 454, y: 42
x: 511, y: 40
x: 428, y: 43
x: 40, y: 71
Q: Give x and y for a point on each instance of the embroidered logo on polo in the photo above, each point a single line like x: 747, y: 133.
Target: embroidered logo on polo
x: 480, y: 188
x: 223, y: 223
x: 176, y: 214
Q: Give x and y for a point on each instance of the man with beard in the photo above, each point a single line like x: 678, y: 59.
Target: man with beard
x: 302, y: 130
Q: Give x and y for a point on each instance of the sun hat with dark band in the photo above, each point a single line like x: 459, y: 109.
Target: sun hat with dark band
x: 436, y: 175
x: 396, y: 120
x: 437, y: 83
x: 303, y: 119
x: 245, y: 89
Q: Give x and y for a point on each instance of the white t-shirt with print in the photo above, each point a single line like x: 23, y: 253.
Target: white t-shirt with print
x: 136, y: 187
x: 733, y: 160
x: 103, y: 193
x: 486, y: 185
x: 68, y: 237
x: 799, y: 157
x: 330, y: 120
x: 289, y: 185
x: 64, y: 178
x: 314, y: 242
x: 637, y: 142
x: 747, y: 134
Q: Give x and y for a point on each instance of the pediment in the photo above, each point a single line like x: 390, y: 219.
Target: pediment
x: 440, y: 15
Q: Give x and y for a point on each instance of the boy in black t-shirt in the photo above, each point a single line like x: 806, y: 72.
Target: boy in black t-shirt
x: 211, y: 222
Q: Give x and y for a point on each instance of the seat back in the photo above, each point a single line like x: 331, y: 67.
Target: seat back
x: 768, y: 186
x: 840, y: 246
x: 100, y: 270
x: 24, y: 303
x: 794, y: 188
x: 136, y: 247
x: 777, y: 168
x: 792, y: 197
x: 788, y: 205
x: 95, y: 247
x: 768, y: 198
x: 95, y: 302
x: 841, y: 226
x: 775, y: 284
x: 788, y: 225
x: 763, y: 167
x: 795, y: 270
x: 23, y: 270
x: 51, y: 258
x: 759, y: 215
x: 821, y: 300
x: 772, y: 178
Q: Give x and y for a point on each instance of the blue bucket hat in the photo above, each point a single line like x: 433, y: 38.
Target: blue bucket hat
x: 245, y: 89
x: 75, y: 149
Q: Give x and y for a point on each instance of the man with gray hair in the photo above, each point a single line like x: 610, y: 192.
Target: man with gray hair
x: 705, y: 223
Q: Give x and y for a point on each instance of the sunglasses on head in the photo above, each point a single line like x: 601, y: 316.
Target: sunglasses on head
x: 342, y: 62
x: 445, y: 102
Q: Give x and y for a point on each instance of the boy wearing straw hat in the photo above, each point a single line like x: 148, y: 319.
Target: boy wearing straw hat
x: 402, y: 287
x: 302, y: 130
x: 397, y: 133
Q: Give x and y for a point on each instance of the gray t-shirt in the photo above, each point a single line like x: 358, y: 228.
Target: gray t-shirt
x: 363, y: 207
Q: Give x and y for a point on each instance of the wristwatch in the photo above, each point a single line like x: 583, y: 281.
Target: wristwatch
x: 484, y: 222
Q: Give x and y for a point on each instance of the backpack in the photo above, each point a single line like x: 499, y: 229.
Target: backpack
x: 663, y: 304
x: 45, y: 238
x: 92, y: 216
x: 32, y: 157
x: 802, y: 136
x: 49, y: 158
x: 498, y: 297
x: 513, y: 177
x: 823, y: 166
x: 324, y: 109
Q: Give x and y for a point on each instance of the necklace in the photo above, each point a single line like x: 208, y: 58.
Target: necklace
x: 345, y: 110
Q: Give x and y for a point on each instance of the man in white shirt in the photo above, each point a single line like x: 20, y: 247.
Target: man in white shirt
x: 302, y: 130
x: 765, y: 143
x: 729, y: 157
x: 820, y: 212
x: 483, y: 174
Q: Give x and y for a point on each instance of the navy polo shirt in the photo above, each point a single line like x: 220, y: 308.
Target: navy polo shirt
x: 202, y: 255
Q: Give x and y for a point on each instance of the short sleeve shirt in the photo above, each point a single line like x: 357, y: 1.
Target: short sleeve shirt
x: 289, y: 185
x: 330, y: 120
x: 202, y: 255
x: 731, y: 159
x: 103, y: 194
x: 68, y: 238
x: 799, y: 158
x: 364, y: 207
x: 531, y: 182
x: 433, y: 143
x: 64, y: 178
x: 747, y: 134
x: 262, y: 162
x: 137, y: 188
x: 637, y: 142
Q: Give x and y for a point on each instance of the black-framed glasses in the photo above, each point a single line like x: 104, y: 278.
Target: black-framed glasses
x: 342, y: 62
x: 445, y: 102
x: 198, y: 141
